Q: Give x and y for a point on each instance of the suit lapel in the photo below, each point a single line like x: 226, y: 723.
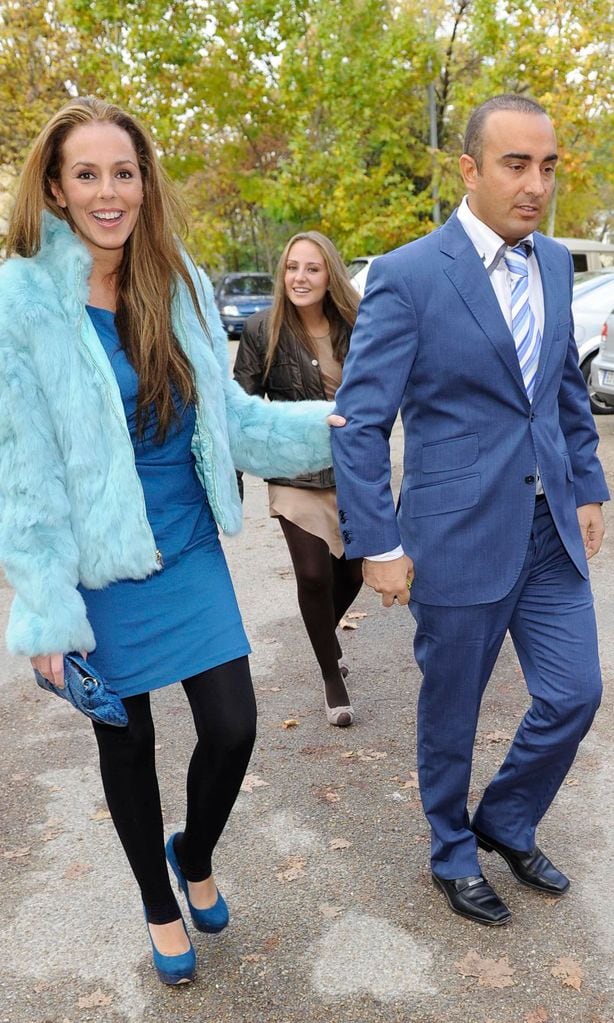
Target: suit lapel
x: 467, y: 273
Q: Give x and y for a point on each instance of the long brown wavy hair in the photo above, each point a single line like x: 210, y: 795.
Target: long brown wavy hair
x: 340, y: 302
x: 152, y: 263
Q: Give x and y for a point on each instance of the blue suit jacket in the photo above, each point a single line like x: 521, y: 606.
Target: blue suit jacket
x: 431, y: 341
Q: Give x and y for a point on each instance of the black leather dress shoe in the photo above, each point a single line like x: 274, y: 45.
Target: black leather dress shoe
x: 474, y: 898
x: 533, y: 868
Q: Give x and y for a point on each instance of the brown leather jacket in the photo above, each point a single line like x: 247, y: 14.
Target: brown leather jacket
x: 294, y: 376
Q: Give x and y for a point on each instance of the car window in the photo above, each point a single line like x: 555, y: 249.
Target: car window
x: 355, y: 267
x: 580, y: 262
x: 250, y: 284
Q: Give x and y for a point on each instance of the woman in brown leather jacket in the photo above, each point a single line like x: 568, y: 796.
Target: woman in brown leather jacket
x: 291, y: 352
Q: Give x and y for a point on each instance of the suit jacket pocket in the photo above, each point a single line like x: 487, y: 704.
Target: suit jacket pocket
x: 453, y: 453
x: 447, y: 496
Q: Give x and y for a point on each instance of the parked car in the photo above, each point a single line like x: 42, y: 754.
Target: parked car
x: 593, y: 300
x: 358, y: 269
x: 238, y: 295
x: 602, y: 369
x: 589, y: 255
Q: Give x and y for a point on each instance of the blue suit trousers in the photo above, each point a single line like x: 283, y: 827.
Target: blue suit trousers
x: 550, y: 616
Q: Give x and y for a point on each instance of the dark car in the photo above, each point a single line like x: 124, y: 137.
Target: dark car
x: 238, y: 295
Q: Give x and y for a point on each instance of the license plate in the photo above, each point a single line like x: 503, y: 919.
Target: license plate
x: 608, y: 377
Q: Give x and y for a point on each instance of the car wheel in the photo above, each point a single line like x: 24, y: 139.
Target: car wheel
x: 598, y: 406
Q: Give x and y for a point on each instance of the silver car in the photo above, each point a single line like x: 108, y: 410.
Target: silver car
x: 593, y: 301
x: 602, y: 372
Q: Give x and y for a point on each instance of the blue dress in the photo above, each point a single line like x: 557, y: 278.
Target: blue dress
x: 184, y: 619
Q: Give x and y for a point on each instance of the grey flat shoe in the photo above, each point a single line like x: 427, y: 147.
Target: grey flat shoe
x: 341, y: 717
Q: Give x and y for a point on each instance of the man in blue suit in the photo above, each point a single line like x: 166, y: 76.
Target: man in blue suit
x: 468, y: 332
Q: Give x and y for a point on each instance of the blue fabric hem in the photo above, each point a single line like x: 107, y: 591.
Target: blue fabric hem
x: 204, y: 665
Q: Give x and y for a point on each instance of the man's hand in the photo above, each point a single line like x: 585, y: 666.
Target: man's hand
x: 390, y: 578
x: 590, y: 517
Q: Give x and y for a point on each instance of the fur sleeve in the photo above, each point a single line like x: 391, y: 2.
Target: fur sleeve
x: 268, y: 438
x: 277, y: 438
x: 37, y: 546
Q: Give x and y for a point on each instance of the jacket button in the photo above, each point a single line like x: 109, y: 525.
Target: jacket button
x: 342, y: 517
x: 347, y: 536
x: 314, y: 362
x: 529, y: 479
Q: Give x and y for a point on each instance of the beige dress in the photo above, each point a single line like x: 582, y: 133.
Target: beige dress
x: 315, y: 511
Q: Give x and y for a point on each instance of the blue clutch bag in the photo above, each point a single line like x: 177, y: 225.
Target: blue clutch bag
x: 86, y: 690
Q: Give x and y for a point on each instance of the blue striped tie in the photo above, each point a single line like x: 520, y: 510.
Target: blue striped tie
x: 525, y: 331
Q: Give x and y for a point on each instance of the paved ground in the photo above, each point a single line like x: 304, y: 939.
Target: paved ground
x: 325, y: 861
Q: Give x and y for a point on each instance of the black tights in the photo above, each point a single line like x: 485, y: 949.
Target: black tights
x: 224, y: 710
x: 326, y: 588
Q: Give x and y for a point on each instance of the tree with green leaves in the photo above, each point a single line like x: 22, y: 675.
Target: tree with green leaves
x: 278, y: 115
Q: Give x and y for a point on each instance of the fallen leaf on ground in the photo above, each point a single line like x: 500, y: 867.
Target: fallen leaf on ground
x: 539, y: 1015
x: 77, y: 870
x: 569, y: 972
x: 251, y: 782
x: 572, y: 781
x: 294, y: 867
x: 101, y: 815
x: 345, y: 624
x: 339, y: 843
x: 357, y: 614
x: 329, y: 912
x: 497, y: 736
x: 17, y: 854
x: 269, y: 689
x: 409, y: 783
x: 290, y: 723
x: 367, y: 755
x: 490, y: 973
x: 92, y: 1001
x: 328, y: 795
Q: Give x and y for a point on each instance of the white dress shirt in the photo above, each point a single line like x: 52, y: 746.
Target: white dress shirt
x: 491, y: 249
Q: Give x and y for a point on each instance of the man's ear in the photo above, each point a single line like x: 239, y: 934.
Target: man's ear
x: 58, y: 194
x: 469, y: 171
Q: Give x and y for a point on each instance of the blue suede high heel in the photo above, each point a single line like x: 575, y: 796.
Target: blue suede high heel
x: 180, y: 969
x: 212, y: 920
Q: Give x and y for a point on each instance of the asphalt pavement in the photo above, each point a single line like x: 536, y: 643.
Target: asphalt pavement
x: 325, y: 860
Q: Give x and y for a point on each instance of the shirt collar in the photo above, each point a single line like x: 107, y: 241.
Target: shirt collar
x: 489, y: 245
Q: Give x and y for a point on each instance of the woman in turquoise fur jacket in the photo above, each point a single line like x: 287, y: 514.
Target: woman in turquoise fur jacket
x: 120, y: 433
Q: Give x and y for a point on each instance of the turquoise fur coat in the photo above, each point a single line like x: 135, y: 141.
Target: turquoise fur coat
x: 71, y: 503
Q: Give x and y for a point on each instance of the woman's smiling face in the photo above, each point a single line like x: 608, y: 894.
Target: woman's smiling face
x: 306, y: 277
x: 100, y: 186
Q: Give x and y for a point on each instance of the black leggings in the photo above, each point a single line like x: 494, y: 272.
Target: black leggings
x: 326, y: 588
x: 224, y: 710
